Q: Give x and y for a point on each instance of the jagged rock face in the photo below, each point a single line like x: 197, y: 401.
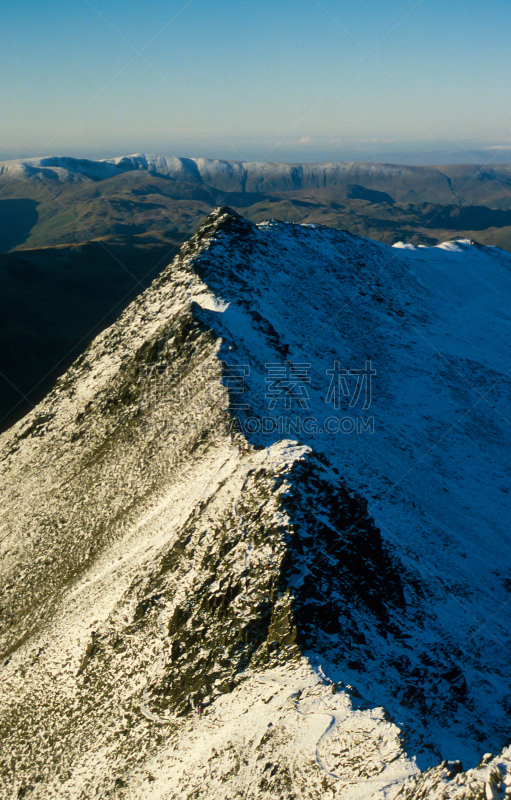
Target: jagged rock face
x: 169, y: 547
x: 311, y: 296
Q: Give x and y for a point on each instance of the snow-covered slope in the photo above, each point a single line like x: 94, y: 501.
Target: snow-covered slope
x: 255, y: 543
x: 58, y: 168
x: 237, y: 176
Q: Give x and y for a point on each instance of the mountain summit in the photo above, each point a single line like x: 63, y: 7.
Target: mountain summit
x: 255, y: 542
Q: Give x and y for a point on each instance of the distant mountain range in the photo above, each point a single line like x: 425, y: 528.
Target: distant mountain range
x: 457, y: 183
x: 48, y: 201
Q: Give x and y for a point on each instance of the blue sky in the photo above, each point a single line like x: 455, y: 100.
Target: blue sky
x: 308, y: 80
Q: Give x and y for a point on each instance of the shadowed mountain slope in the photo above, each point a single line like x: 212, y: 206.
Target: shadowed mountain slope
x: 55, y: 300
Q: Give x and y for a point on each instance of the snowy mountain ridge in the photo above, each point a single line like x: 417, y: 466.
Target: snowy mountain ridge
x: 427, y: 183
x: 282, y: 472
x: 213, y: 172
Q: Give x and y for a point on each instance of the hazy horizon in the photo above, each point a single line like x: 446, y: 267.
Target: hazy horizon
x: 421, y: 158
x: 309, y: 81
